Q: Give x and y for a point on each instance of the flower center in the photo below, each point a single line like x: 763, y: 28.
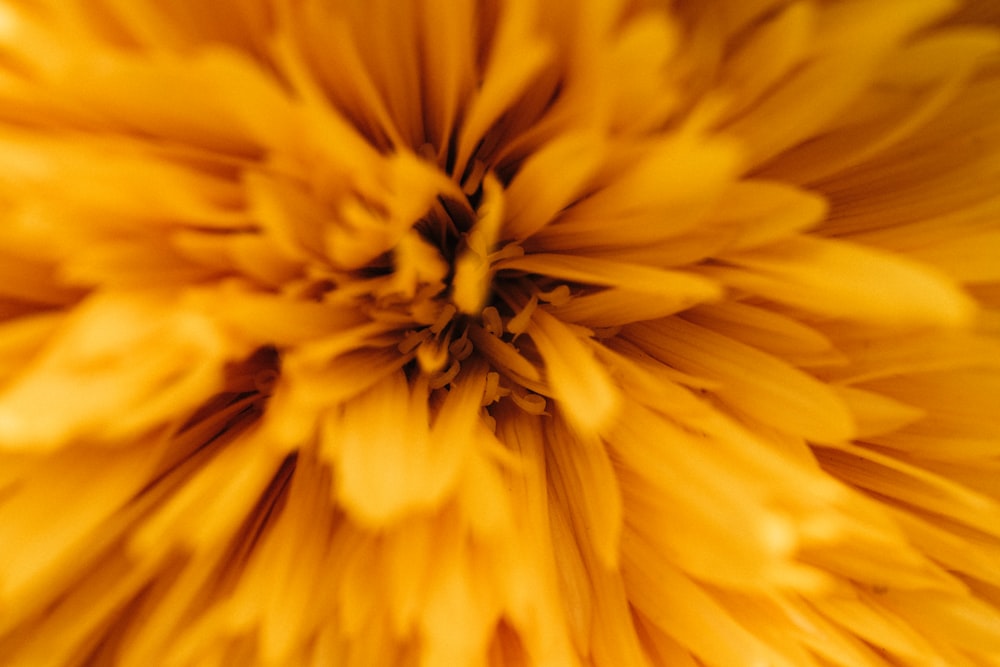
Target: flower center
x: 440, y: 278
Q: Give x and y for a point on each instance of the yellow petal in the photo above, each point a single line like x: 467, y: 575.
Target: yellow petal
x: 870, y: 286
x: 751, y: 380
x: 582, y: 387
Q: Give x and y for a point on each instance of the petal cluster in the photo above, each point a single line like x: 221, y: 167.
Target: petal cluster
x: 446, y: 333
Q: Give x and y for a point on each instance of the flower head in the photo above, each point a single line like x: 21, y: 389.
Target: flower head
x: 499, y: 332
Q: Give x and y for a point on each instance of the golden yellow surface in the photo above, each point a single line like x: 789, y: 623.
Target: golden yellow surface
x: 453, y: 333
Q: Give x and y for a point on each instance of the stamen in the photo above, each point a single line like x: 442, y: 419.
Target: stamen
x: 461, y: 347
x: 492, y: 322
x: 411, y: 340
x: 531, y: 403
x: 441, y: 379
x: 490, y: 394
x: 443, y: 318
x: 519, y: 323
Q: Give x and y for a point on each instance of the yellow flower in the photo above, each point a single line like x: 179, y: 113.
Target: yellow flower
x: 499, y: 332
